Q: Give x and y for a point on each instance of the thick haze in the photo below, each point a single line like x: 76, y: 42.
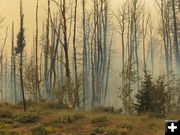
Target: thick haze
x: 10, y: 10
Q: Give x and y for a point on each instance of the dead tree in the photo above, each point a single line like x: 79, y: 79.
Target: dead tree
x: 13, y: 68
x: 36, y: 44
x: 74, y: 56
x: 1, y: 62
x: 176, y: 45
x: 46, y: 52
x: 122, y: 19
x: 66, y: 49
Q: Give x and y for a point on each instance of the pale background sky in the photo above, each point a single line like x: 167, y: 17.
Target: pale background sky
x: 10, y: 9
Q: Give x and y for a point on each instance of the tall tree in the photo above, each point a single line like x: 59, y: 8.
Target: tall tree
x: 75, y: 59
x: 122, y: 18
x: 66, y: 49
x: 1, y: 62
x: 37, y: 74
x: 13, y: 68
x: 176, y: 45
x: 46, y: 52
x: 19, y: 50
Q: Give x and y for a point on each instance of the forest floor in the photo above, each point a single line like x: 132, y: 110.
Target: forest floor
x: 44, y: 121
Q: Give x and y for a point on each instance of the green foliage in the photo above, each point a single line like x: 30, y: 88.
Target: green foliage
x: 20, y: 39
x: 26, y: 117
x: 39, y: 130
x: 8, y: 133
x: 125, y: 92
x: 16, y: 125
x: 54, y: 123
x: 111, y: 131
x: 92, y: 133
x: 106, y: 109
x: 4, y: 125
x: 29, y: 77
x: 5, y: 114
x: 125, y: 125
x: 173, y: 86
x: 152, y: 97
x: 98, y: 130
x: 99, y: 121
x: 119, y: 110
x: 69, y: 118
x: 55, y: 105
x: 155, y: 115
x: 6, y: 121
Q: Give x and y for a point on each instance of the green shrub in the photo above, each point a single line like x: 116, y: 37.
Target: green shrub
x: 111, y: 131
x: 5, y: 114
x: 92, y: 133
x: 54, y: 123
x: 4, y: 125
x: 125, y: 125
x: 16, y: 125
x: 99, y: 121
x: 98, y: 130
x: 26, y: 117
x: 55, y: 105
x: 6, y: 121
x: 119, y: 110
x: 155, y: 115
x: 106, y: 109
x: 30, y: 102
x: 69, y: 118
x: 8, y: 133
x: 39, y: 130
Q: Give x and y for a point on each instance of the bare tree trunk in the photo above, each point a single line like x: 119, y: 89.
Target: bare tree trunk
x: 164, y: 37
x: 1, y: 80
x: 108, y: 69
x: 37, y: 74
x: 21, y: 79
x: 62, y: 73
x: 46, y: 52
x: 1, y: 62
x: 176, y: 45
x: 65, y: 45
x: 144, y: 33
x: 85, y: 63
x: 121, y: 18
x: 13, y: 69
x: 75, y: 60
x: 94, y: 64
x: 151, y: 47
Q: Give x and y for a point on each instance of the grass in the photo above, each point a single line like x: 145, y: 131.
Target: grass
x: 48, y: 121
x: 5, y: 113
x: 26, y: 117
x: 99, y: 121
x: 39, y: 130
x: 69, y: 117
x: 112, y: 131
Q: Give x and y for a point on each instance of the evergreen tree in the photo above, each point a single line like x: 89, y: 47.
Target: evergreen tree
x: 144, y: 99
x: 152, y: 97
x: 19, y: 50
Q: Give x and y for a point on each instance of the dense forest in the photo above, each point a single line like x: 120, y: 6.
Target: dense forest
x: 82, y: 47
